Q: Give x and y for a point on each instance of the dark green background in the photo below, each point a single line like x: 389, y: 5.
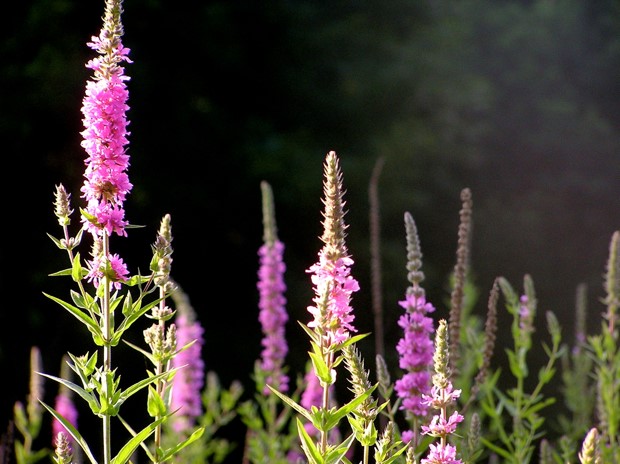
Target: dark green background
x: 517, y: 100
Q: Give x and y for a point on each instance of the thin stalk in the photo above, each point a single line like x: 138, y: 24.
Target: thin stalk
x: 107, y: 355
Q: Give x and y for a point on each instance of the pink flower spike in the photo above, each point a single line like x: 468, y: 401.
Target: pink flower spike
x: 104, y: 108
x: 333, y: 284
x: 189, y: 379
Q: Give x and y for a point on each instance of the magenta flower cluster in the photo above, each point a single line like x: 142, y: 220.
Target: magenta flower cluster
x: 273, y: 315
x: 189, y: 379
x: 112, y: 266
x: 416, y: 350
x: 332, y: 278
x: 106, y: 182
x: 105, y: 136
x: 442, y: 425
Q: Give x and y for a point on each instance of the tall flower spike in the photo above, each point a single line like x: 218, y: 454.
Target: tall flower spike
x: 333, y: 284
x: 105, y: 132
x: 35, y: 395
x: 414, y: 257
x: 612, y: 281
x: 415, y: 348
x: 460, y: 275
x: 189, y: 380
x: 271, y: 288
x: 490, y: 335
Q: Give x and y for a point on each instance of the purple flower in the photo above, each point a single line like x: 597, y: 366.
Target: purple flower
x: 106, y: 183
x: 188, y: 380
x: 416, y: 354
x: 113, y: 268
x: 333, y: 287
x: 65, y: 407
x: 440, y: 426
x: 105, y: 135
x: 273, y: 315
x: 441, y: 454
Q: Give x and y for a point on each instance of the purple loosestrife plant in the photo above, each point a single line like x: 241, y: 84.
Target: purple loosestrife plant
x: 272, y: 302
x: 606, y: 356
x: 268, y: 438
x: 332, y: 325
x: 106, y: 312
x: 199, y: 405
x: 517, y: 435
x: 415, y: 348
x: 189, y: 379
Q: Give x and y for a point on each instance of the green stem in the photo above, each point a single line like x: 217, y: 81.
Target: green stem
x: 107, y: 356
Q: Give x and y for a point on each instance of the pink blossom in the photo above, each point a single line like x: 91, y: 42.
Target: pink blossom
x: 441, y: 454
x: 273, y: 315
x: 439, y: 426
x: 189, y: 379
x: 333, y: 286
x: 113, y: 268
x: 416, y: 354
x: 65, y: 407
x: 105, y: 134
x: 441, y: 397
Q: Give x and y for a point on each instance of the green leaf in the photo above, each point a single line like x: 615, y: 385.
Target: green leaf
x: 297, y: 407
x: 130, y: 447
x: 496, y: 449
x: 312, y: 334
x: 320, y: 366
x: 128, y: 305
x: 333, y: 418
x: 64, y: 272
x: 335, y: 455
x: 350, y: 341
x: 71, y: 430
x: 136, y: 387
x: 137, y: 280
x: 77, y: 271
x: 89, y: 397
x: 155, y: 405
x: 84, y: 301
x: 136, y: 312
x: 58, y: 243
x: 312, y: 452
x: 170, y: 452
x: 396, y: 454
x: 93, y: 327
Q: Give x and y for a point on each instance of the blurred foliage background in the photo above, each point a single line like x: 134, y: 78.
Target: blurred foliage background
x: 517, y: 100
